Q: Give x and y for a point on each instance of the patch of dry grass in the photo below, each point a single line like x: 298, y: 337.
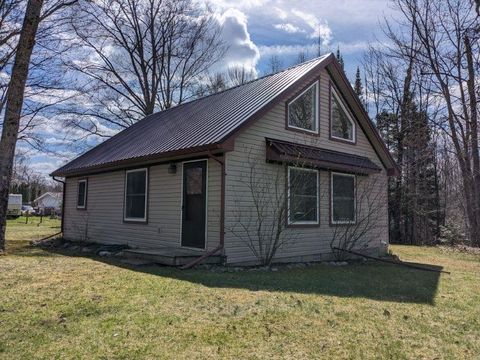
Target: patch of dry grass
x: 56, y: 305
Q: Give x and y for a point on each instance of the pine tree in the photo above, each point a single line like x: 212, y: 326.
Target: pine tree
x: 415, y: 218
x: 339, y: 57
x: 358, y: 87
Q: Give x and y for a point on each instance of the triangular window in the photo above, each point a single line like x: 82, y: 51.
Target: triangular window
x: 303, y: 110
x: 342, y: 125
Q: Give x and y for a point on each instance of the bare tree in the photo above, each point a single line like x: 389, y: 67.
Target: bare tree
x: 11, y: 12
x: 263, y: 226
x: 369, y: 214
x: 139, y: 57
x: 15, y: 96
x: 223, y: 80
x: 302, y: 56
x: 274, y: 65
x: 448, y: 51
x: 14, y: 105
x: 240, y: 75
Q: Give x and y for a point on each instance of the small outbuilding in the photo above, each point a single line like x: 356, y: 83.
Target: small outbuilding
x: 286, y: 167
x: 48, y: 202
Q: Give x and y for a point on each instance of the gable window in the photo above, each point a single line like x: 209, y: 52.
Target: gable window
x: 343, y: 198
x: 82, y: 194
x: 303, y: 110
x: 302, y: 196
x: 136, y: 184
x: 341, y: 124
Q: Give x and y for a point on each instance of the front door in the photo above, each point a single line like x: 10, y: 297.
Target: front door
x: 194, y: 205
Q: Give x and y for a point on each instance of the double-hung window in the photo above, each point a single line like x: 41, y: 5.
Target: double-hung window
x: 342, y: 126
x: 343, y: 205
x: 302, y: 196
x: 82, y: 194
x: 136, y: 188
x: 302, y: 111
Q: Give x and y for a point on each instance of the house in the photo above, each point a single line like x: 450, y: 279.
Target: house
x: 49, y: 201
x: 288, y: 151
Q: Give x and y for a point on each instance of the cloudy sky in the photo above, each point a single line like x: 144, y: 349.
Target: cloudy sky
x: 257, y: 29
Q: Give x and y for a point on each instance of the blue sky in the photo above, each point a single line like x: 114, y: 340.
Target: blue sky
x: 257, y: 29
x: 284, y: 28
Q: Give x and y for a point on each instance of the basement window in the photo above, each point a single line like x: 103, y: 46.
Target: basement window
x: 136, y: 188
x: 82, y: 194
x: 303, y: 111
x: 302, y: 196
x: 343, y: 206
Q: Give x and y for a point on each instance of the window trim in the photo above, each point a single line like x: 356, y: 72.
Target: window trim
x: 85, y: 181
x: 335, y: 93
x: 130, y: 219
x: 315, y: 84
x: 302, y: 223
x: 348, y: 222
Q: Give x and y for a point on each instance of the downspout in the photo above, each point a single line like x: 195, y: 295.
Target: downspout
x: 63, y: 201
x: 222, y: 217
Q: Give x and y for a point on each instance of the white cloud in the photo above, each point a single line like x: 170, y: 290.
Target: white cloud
x: 280, y: 13
x: 317, y: 27
x: 244, y: 4
x: 287, y: 50
x: 289, y: 28
x: 242, y: 51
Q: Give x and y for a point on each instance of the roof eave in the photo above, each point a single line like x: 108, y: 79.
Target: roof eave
x: 146, y: 160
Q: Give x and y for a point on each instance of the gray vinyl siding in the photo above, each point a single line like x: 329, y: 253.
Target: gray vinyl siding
x: 250, y: 144
x: 102, y: 221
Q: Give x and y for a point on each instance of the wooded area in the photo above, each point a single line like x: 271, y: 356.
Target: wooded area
x: 421, y: 88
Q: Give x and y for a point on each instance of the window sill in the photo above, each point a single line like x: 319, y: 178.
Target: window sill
x: 135, y: 221
x: 344, y: 141
x: 303, y: 225
x: 303, y: 131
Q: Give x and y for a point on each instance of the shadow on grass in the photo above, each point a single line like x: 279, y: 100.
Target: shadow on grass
x: 371, y: 280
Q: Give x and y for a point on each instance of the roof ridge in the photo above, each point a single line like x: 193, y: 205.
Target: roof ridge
x: 245, y: 83
x: 160, y: 132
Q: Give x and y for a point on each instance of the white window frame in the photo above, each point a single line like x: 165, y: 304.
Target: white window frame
x: 344, y: 108
x: 348, y: 222
x: 130, y: 219
x: 316, y: 84
x: 289, y: 222
x: 84, y: 206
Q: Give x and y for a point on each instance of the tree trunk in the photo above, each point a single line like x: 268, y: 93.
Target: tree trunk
x: 14, y: 106
x: 475, y: 234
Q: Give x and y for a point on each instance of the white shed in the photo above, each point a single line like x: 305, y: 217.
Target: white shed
x: 49, y: 200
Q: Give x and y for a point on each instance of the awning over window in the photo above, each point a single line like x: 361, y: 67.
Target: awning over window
x: 303, y: 155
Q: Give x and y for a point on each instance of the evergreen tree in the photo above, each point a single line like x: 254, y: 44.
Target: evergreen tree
x: 340, y: 57
x: 413, y: 197
x: 358, y: 87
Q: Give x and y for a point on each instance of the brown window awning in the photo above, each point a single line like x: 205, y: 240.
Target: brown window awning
x: 302, y: 155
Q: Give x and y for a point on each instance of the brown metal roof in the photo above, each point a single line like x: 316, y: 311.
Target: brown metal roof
x: 283, y: 151
x: 208, y: 124
x: 199, y: 124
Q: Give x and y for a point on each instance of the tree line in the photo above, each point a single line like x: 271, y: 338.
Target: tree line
x: 423, y: 90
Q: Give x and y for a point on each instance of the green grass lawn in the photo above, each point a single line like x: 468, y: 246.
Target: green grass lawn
x: 21, y: 231
x: 55, y: 305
